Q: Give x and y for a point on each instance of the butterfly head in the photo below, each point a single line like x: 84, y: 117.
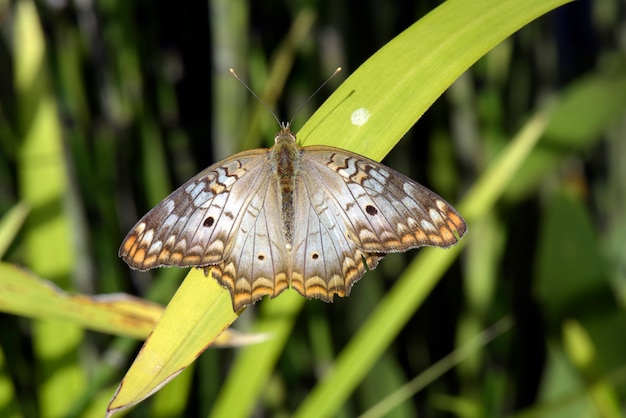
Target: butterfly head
x: 285, y: 135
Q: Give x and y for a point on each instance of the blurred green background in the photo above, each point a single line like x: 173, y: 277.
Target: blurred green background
x: 131, y: 98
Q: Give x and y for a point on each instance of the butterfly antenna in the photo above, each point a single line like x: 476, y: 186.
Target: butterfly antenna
x: 337, y: 71
x: 232, y: 71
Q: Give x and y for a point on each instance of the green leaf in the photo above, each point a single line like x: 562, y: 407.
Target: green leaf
x: 22, y: 293
x: 403, y: 79
x: 184, y: 331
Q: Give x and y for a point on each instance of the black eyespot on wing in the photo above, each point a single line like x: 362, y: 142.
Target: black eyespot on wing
x: 371, y: 210
x: 208, y: 222
x: 315, y: 256
x: 261, y: 257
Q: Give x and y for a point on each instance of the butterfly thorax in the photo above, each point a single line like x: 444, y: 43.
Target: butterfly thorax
x: 285, y: 156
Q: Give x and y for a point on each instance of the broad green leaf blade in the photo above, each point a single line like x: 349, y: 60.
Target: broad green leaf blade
x: 181, y: 335
x: 23, y: 293
x: 403, y: 79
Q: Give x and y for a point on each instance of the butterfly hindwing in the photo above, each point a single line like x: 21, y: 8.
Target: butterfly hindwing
x: 325, y: 261
x: 256, y: 264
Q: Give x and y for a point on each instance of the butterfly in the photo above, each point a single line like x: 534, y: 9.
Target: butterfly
x: 311, y: 218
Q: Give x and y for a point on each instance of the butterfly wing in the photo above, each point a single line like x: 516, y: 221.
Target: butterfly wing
x: 324, y: 260
x: 226, y: 217
x: 384, y: 210
x: 257, y: 265
x: 194, y: 225
x: 359, y: 210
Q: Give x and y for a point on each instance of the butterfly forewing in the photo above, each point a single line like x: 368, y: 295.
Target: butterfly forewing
x: 197, y: 223
x: 384, y: 211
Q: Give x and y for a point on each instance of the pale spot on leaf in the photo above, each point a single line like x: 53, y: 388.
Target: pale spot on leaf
x: 360, y: 116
